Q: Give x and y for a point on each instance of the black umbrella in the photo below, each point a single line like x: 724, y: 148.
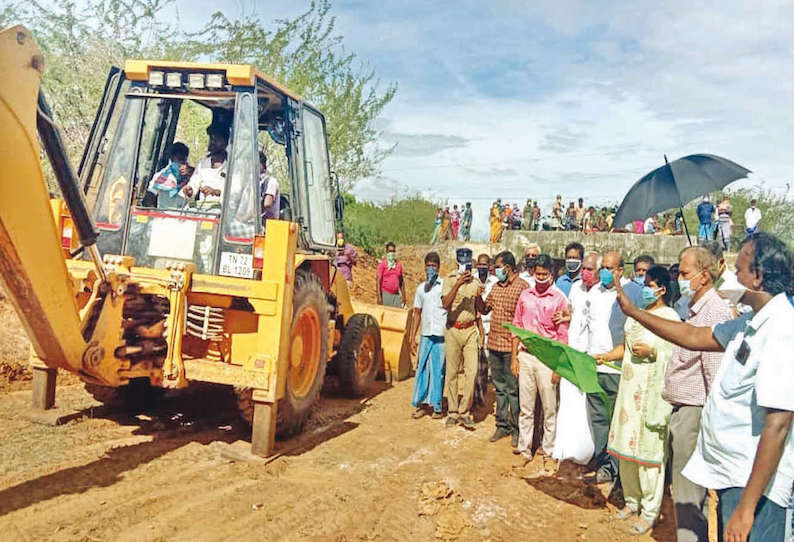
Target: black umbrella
x: 677, y: 183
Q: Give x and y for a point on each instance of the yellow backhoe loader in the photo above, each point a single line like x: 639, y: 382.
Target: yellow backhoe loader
x: 134, y: 287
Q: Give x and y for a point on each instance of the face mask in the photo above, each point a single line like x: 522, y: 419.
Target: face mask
x: 501, y: 274
x: 431, y: 273
x: 606, y: 277
x: 391, y: 257
x: 530, y: 261
x: 733, y: 296
x: 573, y: 265
x: 589, y: 277
x: 340, y: 242
x: 639, y: 280
x: 649, y: 297
x: 542, y: 286
x: 483, y: 273
x: 685, y: 287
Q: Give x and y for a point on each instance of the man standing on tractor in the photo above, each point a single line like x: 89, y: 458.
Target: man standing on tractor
x: 462, y: 337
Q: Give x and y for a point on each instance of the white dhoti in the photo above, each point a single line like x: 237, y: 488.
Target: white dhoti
x: 574, y: 439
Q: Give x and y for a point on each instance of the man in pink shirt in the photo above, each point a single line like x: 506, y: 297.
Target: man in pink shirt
x: 389, y: 279
x: 535, y: 312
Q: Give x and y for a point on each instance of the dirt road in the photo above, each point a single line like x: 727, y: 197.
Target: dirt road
x: 363, y: 470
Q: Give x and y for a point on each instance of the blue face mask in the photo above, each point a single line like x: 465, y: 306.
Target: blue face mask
x: 431, y: 273
x: 639, y: 280
x: 501, y: 274
x: 649, y: 297
x: 606, y: 277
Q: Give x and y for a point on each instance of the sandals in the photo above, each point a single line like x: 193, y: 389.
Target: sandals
x: 624, y: 513
x: 419, y: 413
x: 639, y: 527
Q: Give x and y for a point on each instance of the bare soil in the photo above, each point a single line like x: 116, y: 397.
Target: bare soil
x: 361, y: 470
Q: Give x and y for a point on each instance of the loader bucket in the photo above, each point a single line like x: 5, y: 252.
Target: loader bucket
x: 395, y: 345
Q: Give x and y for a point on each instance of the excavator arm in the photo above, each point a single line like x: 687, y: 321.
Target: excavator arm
x: 32, y: 265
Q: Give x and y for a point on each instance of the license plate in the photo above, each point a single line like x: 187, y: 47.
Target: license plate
x: 237, y: 265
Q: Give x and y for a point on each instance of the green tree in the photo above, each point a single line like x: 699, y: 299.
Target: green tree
x: 407, y: 221
x: 305, y: 53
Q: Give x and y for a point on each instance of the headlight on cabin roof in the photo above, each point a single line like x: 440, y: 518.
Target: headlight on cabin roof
x: 173, y: 79
x: 156, y: 78
x: 195, y: 80
x: 214, y: 80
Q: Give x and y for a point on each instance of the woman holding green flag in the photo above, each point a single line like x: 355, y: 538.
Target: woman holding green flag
x: 638, y: 433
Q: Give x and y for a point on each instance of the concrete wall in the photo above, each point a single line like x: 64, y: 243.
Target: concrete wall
x: 664, y: 248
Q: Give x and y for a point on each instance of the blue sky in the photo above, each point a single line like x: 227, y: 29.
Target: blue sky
x: 518, y: 99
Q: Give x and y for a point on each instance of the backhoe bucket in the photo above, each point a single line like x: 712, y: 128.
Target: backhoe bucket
x: 395, y: 346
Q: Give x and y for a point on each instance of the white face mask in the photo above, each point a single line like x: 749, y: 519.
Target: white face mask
x: 734, y: 296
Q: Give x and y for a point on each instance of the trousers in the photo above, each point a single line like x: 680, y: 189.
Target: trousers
x: 643, y: 488
x: 462, y: 345
x: 769, y: 524
x: 600, y: 421
x: 691, y: 500
x: 534, y: 379
x: 505, y: 386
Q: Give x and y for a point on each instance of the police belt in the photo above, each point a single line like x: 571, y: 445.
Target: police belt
x: 461, y: 325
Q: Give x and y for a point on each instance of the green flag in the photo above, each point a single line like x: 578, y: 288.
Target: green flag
x: 576, y: 367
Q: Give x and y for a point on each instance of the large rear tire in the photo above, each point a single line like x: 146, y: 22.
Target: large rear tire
x: 358, y: 358
x: 307, y: 358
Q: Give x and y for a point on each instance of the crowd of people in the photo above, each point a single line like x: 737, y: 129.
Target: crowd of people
x: 453, y: 225
x: 692, y: 361
x: 715, y: 222
x: 576, y: 217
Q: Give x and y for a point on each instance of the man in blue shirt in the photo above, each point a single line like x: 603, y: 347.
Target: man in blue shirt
x: 705, y: 212
x: 574, y: 253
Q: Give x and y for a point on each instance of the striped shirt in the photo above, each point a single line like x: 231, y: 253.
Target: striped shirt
x: 503, y: 300
x: 690, y: 373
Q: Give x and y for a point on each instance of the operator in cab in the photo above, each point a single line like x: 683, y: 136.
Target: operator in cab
x: 209, y: 179
x: 269, y: 191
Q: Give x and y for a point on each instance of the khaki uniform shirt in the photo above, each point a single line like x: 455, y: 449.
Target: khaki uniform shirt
x: 462, y: 310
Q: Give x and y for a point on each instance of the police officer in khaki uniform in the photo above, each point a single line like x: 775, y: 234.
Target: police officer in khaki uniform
x: 462, y: 338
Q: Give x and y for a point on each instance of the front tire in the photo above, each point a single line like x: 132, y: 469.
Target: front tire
x: 358, y: 358
x: 307, y: 358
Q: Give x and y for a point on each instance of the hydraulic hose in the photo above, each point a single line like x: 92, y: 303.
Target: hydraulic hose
x: 67, y: 181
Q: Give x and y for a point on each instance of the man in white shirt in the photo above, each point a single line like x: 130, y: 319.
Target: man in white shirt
x: 208, y: 183
x: 209, y: 177
x: 745, y: 449
x: 752, y: 218
x: 530, y: 257
x: 601, y: 338
x: 429, y: 312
